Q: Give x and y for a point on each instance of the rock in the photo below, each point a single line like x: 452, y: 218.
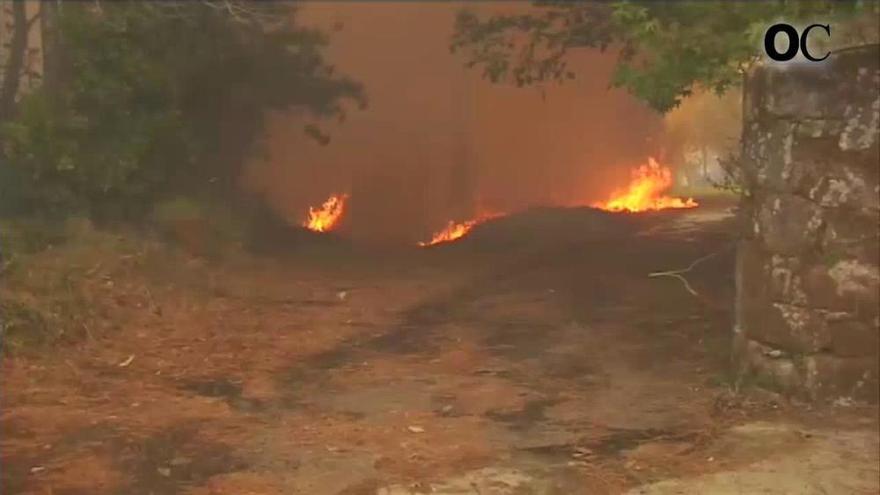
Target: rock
x: 789, y: 224
x: 853, y: 338
x: 831, y: 377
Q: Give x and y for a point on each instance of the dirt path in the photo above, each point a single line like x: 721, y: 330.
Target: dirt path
x: 556, y: 368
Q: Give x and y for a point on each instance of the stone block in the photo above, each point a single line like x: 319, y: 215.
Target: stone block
x: 793, y: 329
x: 795, y: 92
x: 820, y: 171
x: 834, y: 182
x: 826, y: 90
x: 861, y: 131
x: 848, y: 285
x: 784, y: 280
x: 853, y: 338
x: 767, y: 154
x: 829, y: 377
x: 822, y: 292
x: 860, y: 281
x: 771, y: 367
x: 850, y: 234
x: 788, y: 224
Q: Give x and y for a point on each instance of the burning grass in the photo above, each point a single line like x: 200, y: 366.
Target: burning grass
x: 326, y: 217
x: 646, y: 192
x: 457, y: 230
x: 451, y: 232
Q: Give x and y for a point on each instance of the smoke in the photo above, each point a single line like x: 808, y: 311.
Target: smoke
x: 439, y: 143
x: 704, y: 129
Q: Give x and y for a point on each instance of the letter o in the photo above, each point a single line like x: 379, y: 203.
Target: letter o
x: 770, y: 42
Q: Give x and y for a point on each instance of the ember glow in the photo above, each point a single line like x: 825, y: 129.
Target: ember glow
x: 456, y: 230
x: 325, y: 218
x: 645, y: 192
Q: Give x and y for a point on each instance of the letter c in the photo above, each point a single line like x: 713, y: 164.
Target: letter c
x: 806, y: 33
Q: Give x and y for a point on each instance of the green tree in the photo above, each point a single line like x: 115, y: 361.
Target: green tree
x: 665, y: 49
x: 155, y: 99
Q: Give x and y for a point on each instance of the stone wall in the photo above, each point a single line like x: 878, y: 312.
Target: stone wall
x: 807, y: 269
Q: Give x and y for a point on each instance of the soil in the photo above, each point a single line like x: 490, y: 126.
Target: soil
x: 533, y: 356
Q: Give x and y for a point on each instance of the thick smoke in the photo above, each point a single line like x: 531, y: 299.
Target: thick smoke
x: 437, y: 142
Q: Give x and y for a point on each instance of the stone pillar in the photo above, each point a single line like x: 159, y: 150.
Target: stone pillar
x: 807, y: 269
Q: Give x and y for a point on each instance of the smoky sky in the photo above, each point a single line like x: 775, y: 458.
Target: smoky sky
x: 437, y: 142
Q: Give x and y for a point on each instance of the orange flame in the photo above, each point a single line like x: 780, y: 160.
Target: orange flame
x: 457, y: 230
x: 645, y: 192
x: 325, y: 218
x: 451, y: 232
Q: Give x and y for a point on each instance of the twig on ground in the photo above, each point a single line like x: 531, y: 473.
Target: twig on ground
x: 677, y: 273
x: 88, y: 332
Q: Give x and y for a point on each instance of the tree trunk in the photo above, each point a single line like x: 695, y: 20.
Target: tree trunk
x: 704, y: 165
x: 52, y: 55
x: 15, y: 66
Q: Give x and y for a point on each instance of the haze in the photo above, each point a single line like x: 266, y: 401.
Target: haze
x: 438, y: 143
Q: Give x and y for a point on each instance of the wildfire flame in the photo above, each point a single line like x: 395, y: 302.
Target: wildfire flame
x: 645, y: 192
x: 455, y: 230
x: 325, y: 218
x: 451, y: 232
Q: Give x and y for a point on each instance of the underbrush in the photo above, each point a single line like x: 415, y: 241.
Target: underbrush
x: 68, y: 282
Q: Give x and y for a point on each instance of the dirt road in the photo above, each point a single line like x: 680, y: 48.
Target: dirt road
x: 535, y: 356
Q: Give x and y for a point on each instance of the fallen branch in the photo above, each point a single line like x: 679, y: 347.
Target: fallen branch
x: 677, y: 273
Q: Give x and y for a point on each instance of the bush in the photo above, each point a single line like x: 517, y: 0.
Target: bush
x: 155, y: 97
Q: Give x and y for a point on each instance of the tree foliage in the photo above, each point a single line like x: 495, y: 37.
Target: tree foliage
x: 160, y: 98
x: 665, y: 49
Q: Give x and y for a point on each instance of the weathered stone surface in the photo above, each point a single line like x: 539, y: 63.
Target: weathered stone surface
x: 832, y: 377
x: 767, y: 154
x: 846, y: 190
x: 771, y: 365
x: 814, y: 91
x: 808, y: 283
x: 751, y: 270
x: 772, y: 368
x: 829, y: 129
x: 789, y: 224
x: 821, y: 290
x: 796, y: 329
x: 796, y: 91
x: 850, y: 235
x: 847, y: 285
x: 820, y: 171
x: 861, y: 129
x: 853, y: 338
x: 856, y: 280
x: 785, y: 281
x: 857, y: 71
